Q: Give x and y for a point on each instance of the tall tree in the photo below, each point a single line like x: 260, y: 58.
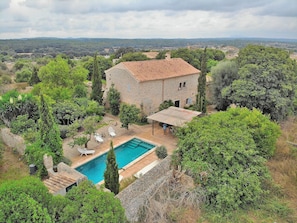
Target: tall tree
x: 34, y: 77
x: 223, y: 75
x: 114, y: 100
x: 201, y: 95
x: 49, y: 133
x: 111, y: 174
x: 96, y: 93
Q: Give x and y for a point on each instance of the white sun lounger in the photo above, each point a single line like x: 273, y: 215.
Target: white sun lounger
x: 84, y: 151
x: 98, y: 138
x: 111, y: 132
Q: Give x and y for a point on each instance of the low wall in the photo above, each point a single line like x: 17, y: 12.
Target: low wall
x: 133, y: 197
x: 13, y: 141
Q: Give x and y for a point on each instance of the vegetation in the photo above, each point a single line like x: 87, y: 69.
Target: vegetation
x: 48, y: 140
x: 13, y: 104
x: 223, y: 74
x: 96, y: 93
x: 25, y: 200
x: 161, y: 152
x: 128, y: 114
x: 165, y: 104
x: 28, y: 200
x: 59, y: 78
x: 114, y: 100
x: 201, y: 88
x: 111, y: 173
x: 266, y: 80
x: 221, y: 152
x: 195, y: 57
x: 49, y: 133
x: 89, y: 124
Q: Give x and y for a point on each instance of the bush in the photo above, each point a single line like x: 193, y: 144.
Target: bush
x: 63, y: 131
x: 23, y: 76
x: 22, y: 124
x: 161, y: 152
x: 6, y: 79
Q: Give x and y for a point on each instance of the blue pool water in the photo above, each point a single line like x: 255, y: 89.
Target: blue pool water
x: 125, y: 154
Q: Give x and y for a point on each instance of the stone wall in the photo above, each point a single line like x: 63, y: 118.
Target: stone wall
x: 13, y: 141
x: 133, y: 197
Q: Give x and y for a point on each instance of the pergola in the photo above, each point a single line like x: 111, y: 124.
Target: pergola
x: 173, y: 116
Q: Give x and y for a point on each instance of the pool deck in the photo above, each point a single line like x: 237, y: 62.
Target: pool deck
x: 122, y: 135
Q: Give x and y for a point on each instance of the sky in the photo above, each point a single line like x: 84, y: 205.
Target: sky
x: 148, y: 18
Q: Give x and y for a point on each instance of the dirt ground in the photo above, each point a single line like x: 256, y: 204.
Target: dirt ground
x: 12, y: 166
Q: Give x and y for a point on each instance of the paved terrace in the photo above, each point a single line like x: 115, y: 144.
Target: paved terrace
x: 122, y: 135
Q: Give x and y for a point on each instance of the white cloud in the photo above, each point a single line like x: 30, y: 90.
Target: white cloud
x: 148, y: 19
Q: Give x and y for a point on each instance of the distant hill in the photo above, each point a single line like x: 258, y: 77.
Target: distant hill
x: 104, y: 46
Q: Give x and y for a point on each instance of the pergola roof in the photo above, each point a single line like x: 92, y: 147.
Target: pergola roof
x: 174, y: 116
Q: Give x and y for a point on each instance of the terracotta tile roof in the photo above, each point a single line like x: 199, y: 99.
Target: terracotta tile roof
x: 57, y: 182
x: 159, y: 69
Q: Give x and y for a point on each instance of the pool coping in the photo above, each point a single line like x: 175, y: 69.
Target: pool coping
x: 129, y: 164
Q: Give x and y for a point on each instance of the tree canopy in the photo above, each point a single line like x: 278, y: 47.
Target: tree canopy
x: 128, y: 114
x: 28, y: 200
x: 225, y: 154
x: 267, y: 79
x: 59, y: 78
x: 195, y: 56
x: 223, y: 74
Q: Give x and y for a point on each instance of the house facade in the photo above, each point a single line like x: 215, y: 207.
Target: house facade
x: 149, y: 83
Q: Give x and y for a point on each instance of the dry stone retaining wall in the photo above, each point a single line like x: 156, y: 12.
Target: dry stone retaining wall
x: 13, y: 141
x: 133, y: 197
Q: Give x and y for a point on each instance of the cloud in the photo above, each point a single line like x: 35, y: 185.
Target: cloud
x: 107, y: 6
x: 281, y: 8
x: 148, y: 19
x: 4, y: 4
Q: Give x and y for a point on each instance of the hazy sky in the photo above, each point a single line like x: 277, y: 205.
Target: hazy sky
x: 148, y: 18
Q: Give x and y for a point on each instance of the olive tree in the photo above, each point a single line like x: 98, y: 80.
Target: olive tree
x: 128, y: 114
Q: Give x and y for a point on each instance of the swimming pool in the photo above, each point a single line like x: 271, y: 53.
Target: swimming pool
x: 125, y: 154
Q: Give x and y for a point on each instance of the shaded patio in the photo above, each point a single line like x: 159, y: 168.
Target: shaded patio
x: 173, y: 116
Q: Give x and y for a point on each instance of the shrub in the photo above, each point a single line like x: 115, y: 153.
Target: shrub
x: 63, y: 131
x: 22, y: 124
x: 161, y: 152
x: 6, y: 79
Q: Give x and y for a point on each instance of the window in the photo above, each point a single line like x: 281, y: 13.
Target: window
x: 189, y: 101
x: 184, y: 85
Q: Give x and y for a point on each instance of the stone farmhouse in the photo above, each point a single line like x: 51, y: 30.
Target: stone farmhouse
x: 149, y: 83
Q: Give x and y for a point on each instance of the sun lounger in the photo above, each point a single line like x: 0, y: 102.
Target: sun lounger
x: 98, y: 138
x: 111, y: 132
x: 84, y: 151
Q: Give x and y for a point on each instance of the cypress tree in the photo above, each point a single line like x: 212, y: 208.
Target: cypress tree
x: 96, y: 93
x: 201, y: 96
x: 34, y: 77
x: 111, y: 174
x: 49, y: 133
